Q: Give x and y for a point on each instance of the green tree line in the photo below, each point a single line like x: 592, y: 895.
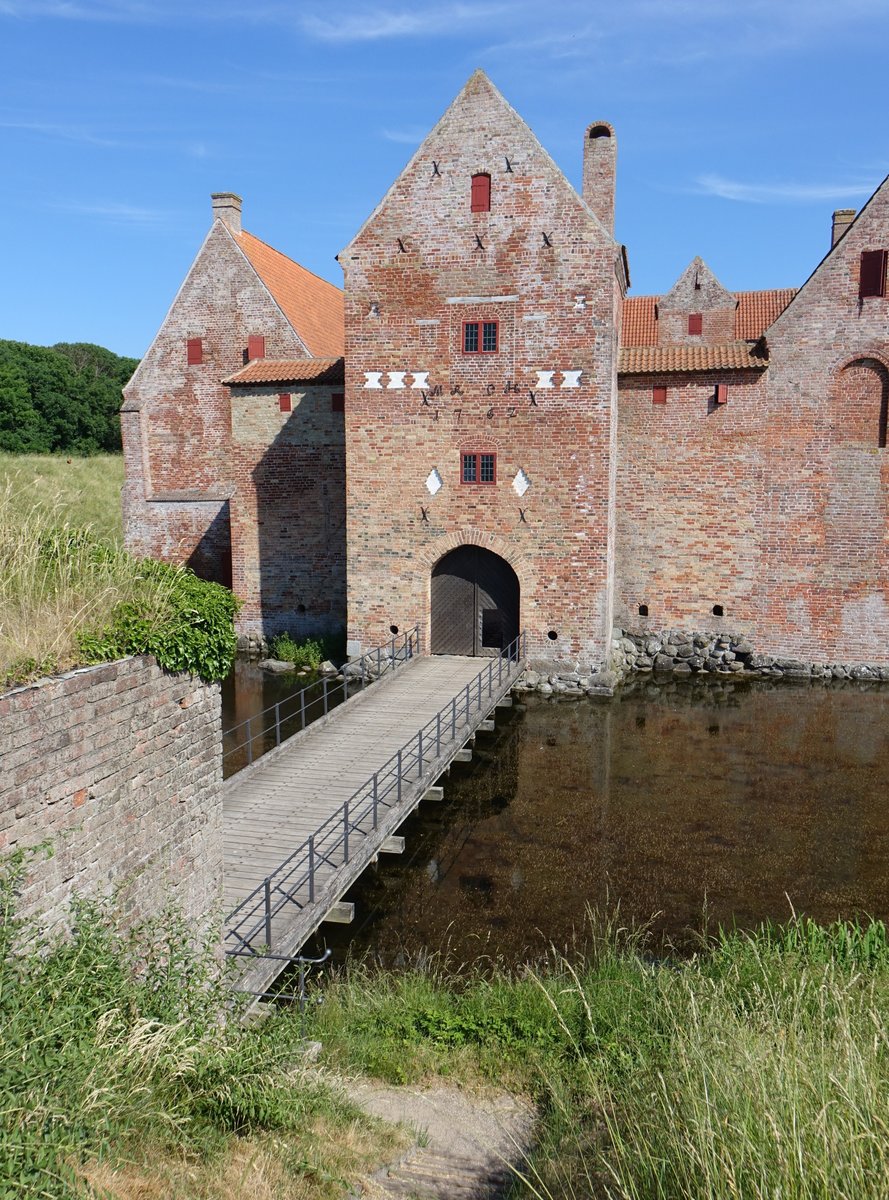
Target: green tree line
x: 62, y: 398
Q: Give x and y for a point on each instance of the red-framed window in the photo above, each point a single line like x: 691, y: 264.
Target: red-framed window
x: 872, y: 276
x: 478, y: 467
x: 481, y: 337
x: 480, y: 197
x: 659, y: 395
x: 194, y: 352
x: 255, y: 346
x: 722, y: 393
x: 695, y: 323
x: 285, y: 403
x: 338, y: 402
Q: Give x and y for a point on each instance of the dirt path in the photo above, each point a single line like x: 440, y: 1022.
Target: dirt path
x: 465, y: 1142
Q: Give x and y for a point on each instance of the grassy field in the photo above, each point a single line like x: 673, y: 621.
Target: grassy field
x: 80, y: 491
x: 69, y: 593
x: 757, y: 1069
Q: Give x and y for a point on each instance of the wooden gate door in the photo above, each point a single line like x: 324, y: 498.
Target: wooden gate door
x: 475, y: 603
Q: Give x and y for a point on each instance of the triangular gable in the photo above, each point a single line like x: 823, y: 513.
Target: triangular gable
x: 754, y: 314
x: 880, y: 195
x: 696, y: 290
x: 477, y: 85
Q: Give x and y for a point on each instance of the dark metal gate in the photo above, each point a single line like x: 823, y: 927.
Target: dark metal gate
x: 475, y: 603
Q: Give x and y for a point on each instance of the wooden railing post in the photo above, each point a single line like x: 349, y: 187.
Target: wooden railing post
x: 346, y: 831
x: 278, y: 723
x: 312, y: 869
x: 268, y: 912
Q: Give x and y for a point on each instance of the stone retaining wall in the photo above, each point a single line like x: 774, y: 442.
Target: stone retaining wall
x: 119, y: 769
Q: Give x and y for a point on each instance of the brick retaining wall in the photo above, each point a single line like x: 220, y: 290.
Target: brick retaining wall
x: 119, y: 768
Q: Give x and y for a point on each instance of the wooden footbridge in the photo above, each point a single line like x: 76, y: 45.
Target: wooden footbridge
x: 303, y: 822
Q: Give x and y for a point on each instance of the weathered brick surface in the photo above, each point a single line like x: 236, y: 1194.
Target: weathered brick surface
x: 776, y: 505
x: 288, y: 510
x: 404, y: 313
x: 119, y: 769
x: 176, y: 421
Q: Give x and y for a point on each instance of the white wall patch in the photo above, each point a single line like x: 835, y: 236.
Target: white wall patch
x: 544, y: 380
x: 372, y: 379
x: 433, y: 482
x: 571, y: 379
x: 421, y: 379
x: 521, y: 483
x: 396, y: 379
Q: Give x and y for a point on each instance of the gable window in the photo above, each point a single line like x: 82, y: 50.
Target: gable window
x: 478, y: 468
x: 285, y: 402
x: 695, y: 323
x: 194, y: 352
x: 872, y: 277
x: 255, y: 346
x: 481, y: 193
x: 659, y: 395
x: 480, y: 337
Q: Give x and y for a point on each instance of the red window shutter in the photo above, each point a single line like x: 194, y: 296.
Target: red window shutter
x: 194, y: 352
x: 695, y: 323
x: 337, y: 402
x: 872, y: 277
x: 285, y: 403
x: 659, y: 395
x: 481, y: 193
x: 255, y: 346
x: 722, y: 393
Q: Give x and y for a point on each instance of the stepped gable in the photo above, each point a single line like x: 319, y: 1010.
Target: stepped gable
x: 313, y: 306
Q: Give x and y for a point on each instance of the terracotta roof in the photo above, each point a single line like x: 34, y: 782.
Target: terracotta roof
x: 313, y: 306
x: 659, y: 360
x: 290, y: 370
x: 755, y: 313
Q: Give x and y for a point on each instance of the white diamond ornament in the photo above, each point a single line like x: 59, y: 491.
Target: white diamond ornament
x: 521, y: 483
x: 433, y: 482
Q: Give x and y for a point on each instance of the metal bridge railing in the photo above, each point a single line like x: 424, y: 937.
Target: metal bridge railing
x: 295, y: 882
x: 291, y: 714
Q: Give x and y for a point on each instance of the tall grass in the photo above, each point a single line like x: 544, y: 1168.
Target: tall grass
x: 83, y: 491
x: 58, y: 580
x: 755, y: 1070
x: 122, y: 1066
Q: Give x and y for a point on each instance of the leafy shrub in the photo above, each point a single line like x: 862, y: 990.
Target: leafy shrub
x: 194, y: 633
x: 311, y: 652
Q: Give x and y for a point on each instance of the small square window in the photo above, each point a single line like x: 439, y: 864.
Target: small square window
x: 480, y: 337
x: 872, y: 273
x: 285, y: 403
x: 659, y: 395
x: 478, y: 468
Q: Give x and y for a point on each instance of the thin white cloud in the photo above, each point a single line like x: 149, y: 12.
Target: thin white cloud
x: 374, y: 24
x: 407, y: 137
x: 66, y: 133
x: 118, y: 214
x: 779, y: 193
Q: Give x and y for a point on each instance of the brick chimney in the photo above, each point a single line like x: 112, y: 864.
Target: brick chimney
x: 599, y: 163
x: 842, y: 219
x: 227, y: 207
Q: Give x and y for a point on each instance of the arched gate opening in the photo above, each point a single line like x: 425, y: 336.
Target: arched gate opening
x: 475, y: 603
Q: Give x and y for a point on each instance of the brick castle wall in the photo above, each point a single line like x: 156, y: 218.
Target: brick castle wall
x: 176, y: 420
x: 422, y: 266
x: 119, y: 768
x: 289, y: 510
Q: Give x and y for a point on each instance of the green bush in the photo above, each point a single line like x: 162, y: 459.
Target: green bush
x: 311, y: 652
x: 194, y: 633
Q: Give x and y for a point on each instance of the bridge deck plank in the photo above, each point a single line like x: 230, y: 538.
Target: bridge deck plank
x: 277, y: 807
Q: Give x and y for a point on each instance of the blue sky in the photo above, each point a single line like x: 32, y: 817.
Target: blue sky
x: 741, y: 126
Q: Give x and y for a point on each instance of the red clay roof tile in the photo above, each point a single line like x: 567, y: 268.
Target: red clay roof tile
x: 290, y: 370
x: 755, y: 313
x: 313, y: 306
x: 659, y: 360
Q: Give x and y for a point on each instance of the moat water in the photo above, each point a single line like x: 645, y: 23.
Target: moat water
x: 683, y: 802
